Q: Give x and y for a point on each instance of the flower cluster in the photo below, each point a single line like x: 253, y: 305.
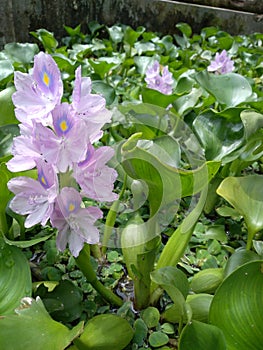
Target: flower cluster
x: 159, y: 78
x: 57, y: 139
x: 222, y: 64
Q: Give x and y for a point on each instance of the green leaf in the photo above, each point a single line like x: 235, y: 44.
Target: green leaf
x: 27, y: 244
x: 64, y: 302
x: 188, y: 101
x: 151, y: 316
x: 104, y: 89
x: 239, y: 258
x: 6, y: 69
x: 200, y: 336
x: 237, y: 307
x: 245, y: 194
x: 185, y: 29
x: 34, y: 329
x: 171, y: 276
x: 21, y: 52
x: 207, y: 281
x: 229, y: 89
x: 157, y: 339
x: 15, y: 278
x: 7, y: 115
x: 219, y: 133
x: 200, y: 306
x: 140, y: 332
x: 157, y: 98
x: 46, y: 38
x: 105, y: 332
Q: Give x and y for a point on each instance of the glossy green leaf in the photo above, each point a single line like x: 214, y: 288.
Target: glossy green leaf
x: 200, y: 306
x: 229, y: 89
x: 200, y: 336
x: 107, y: 91
x: 34, y: 329
x: 188, y: 101
x: 21, y: 52
x: 105, y: 332
x: 171, y: 276
x: 207, y: 281
x: 64, y: 302
x: 46, y: 38
x: 15, y: 277
x: 239, y: 258
x: 6, y: 69
x: 146, y: 160
x: 27, y: 244
x: 245, y: 194
x: 237, y: 307
x: 252, y: 122
x: 219, y: 133
x: 7, y: 115
x: 157, y: 98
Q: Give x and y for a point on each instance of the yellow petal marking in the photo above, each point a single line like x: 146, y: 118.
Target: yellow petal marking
x: 63, y: 125
x: 71, y: 207
x: 46, y: 79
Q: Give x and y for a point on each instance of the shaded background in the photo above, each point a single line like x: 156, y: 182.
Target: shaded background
x: 19, y: 17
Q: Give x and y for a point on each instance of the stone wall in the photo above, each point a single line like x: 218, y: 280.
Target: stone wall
x: 19, y: 17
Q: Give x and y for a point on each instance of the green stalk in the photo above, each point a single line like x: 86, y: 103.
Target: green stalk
x: 83, y: 262
x: 111, y: 218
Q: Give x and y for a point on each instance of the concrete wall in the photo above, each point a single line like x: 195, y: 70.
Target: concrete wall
x: 19, y: 17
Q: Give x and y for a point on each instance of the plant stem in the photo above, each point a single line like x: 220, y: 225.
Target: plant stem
x: 83, y: 262
x: 111, y: 218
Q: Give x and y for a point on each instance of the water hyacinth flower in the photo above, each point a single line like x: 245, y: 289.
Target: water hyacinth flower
x: 222, y: 64
x: 90, y: 108
x: 66, y: 143
x: 35, y: 198
x: 75, y: 224
x: 38, y: 93
x: 95, y: 178
x: 25, y: 150
x: 57, y: 138
x: 159, y: 78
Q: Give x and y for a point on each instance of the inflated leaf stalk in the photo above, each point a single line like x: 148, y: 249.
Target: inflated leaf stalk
x: 139, y: 248
x: 105, y: 332
x: 15, y: 278
x: 245, y: 194
x: 83, y: 262
x: 237, y: 307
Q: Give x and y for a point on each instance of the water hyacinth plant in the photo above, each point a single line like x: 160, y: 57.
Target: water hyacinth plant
x: 131, y: 180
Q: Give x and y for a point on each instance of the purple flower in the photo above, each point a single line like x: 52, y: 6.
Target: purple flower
x: 75, y: 224
x: 222, y: 64
x: 64, y: 145
x: 25, y: 150
x: 35, y: 198
x: 89, y: 107
x: 38, y: 93
x: 95, y: 178
x: 159, y: 78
